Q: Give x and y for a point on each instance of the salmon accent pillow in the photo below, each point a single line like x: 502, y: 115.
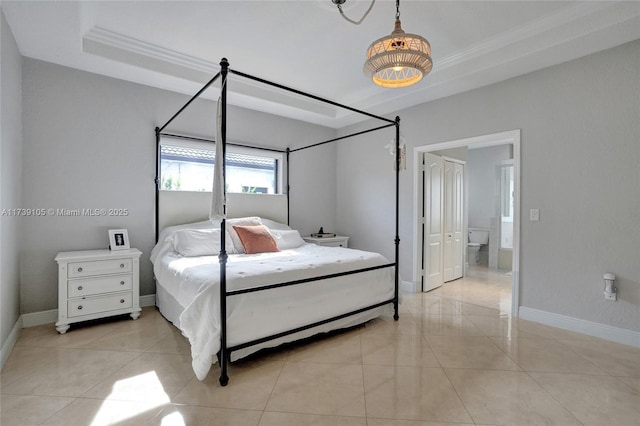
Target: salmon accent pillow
x: 240, y: 221
x: 256, y: 239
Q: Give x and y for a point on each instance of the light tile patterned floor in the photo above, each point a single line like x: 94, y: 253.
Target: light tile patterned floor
x: 455, y: 357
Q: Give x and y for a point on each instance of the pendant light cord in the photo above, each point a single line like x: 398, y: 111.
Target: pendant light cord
x: 363, y: 16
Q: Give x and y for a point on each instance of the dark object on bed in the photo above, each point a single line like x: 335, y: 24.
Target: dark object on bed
x: 224, y: 355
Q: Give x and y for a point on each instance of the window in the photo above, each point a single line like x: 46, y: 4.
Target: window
x: 187, y: 165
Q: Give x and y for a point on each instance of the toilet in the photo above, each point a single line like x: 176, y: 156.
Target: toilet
x: 478, y: 237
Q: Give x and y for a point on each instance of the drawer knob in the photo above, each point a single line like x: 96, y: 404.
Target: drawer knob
x: 80, y: 287
x: 79, y: 307
x: 79, y: 269
x: 122, y: 265
x: 121, y: 300
x: 121, y: 282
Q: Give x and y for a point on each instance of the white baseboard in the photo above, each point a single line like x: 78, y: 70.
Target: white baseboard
x: 148, y: 300
x: 46, y: 317
x: 8, y: 345
x: 603, y: 331
x: 408, y: 287
x: 39, y: 318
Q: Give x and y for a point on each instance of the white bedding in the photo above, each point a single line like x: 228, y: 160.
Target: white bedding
x: 193, y: 282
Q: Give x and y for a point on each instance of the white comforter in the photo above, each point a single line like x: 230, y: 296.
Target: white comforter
x: 193, y: 282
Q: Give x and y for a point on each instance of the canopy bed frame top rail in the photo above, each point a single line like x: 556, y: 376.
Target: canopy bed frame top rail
x: 225, y: 350
x: 195, y: 138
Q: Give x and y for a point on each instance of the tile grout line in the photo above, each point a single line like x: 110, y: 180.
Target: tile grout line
x: 273, y: 388
x: 554, y: 398
x: 444, y: 370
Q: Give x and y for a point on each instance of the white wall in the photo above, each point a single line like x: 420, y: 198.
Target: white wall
x: 580, y: 167
x: 10, y: 182
x: 89, y: 143
x: 481, y: 179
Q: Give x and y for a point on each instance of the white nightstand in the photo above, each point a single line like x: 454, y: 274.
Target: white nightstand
x: 337, y: 241
x: 97, y: 283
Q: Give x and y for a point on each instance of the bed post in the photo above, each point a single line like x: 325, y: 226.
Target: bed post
x: 157, y: 181
x: 397, y: 239
x: 287, y: 189
x: 224, y: 356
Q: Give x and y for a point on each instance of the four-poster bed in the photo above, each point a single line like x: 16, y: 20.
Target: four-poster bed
x: 280, y: 291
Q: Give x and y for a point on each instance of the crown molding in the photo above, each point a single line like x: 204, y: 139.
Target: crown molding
x: 535, y: 42
x: 460, y: 71
x: 531, y: 31
x: 104, y: 36
x: 245, y: 93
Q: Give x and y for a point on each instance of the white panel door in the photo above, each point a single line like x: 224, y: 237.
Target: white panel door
x: 453, y: 220
x: 449, y: 214
x: 434, y: 221
x: 458, y: 222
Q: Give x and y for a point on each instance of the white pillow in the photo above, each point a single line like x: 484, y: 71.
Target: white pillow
x: 200, y: 242
x: 272, y: 224
x: 287, y: 239
x: 165, y: 239
x: 240, y: 221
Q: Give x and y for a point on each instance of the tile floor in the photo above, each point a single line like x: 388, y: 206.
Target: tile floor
x: 455, y: 357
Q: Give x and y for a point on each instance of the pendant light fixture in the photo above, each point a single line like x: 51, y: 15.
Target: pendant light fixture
x: 399, y: 59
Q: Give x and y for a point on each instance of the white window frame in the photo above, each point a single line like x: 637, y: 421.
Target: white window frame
x: 232, y: 148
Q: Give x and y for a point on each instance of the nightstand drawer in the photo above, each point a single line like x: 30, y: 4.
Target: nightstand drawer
x: 332, y: 243
x: 92, y: 305
x: 98, y: 267
x: 337, y: 241
x: 89, y: 286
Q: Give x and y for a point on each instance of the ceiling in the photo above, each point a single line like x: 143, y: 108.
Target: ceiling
x: 307, y: 45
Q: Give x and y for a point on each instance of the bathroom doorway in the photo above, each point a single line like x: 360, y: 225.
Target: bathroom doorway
x: 504, y: 138
x: 504, y: 246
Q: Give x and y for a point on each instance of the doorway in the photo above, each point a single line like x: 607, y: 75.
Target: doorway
x: 504, y: 246
x: 495, y: 139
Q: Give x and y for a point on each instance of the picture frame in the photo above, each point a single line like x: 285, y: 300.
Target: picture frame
x: 118, y: 239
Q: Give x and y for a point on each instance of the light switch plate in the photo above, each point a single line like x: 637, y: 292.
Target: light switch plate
x: 534, y: 215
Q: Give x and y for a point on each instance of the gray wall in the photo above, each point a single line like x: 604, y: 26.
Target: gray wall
x: 480, y: 173
x: 366, y: 191
x: 10, y: 182
x: 580, y: 166
x: 89, y: 143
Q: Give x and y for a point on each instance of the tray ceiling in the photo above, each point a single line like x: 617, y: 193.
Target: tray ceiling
x: 177, y: 45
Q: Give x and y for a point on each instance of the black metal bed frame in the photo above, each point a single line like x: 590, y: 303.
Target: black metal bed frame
x: 225, y: 351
